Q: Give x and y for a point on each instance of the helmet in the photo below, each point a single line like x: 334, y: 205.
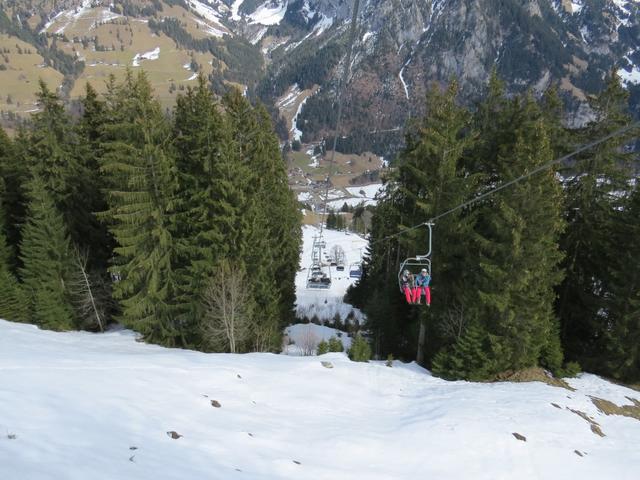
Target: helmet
x: 406, y: 272
x: 424, y: 270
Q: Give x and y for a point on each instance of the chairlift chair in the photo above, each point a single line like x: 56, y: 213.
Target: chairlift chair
x: 417, y: 263
x: 355, y: 270
x: 318, y: 278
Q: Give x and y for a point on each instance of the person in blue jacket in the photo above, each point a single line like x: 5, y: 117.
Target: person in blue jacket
x: 422, y: 285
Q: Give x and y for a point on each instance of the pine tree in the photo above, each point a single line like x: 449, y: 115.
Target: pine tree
x: 140, y: 168
x: 50, y: 152
x: 517, y: 239
x: 13, y: 303
x: 91, y: 235
x: 45, y: 254
x: 595, y: 192
x: 272, y: 246
x: 208, y: 199
x: 622, y: 335
x: 468, y: 358
x: 14, y: 171
x: 432, y: 177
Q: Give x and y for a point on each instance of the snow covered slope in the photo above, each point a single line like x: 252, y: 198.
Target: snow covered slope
x: 326, y: 303
x: 99, y: 406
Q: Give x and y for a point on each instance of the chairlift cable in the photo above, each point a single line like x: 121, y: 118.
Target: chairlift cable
x: 341, y: 87
x: 488, y: 193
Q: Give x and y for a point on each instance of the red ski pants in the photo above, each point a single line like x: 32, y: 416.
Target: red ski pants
x: 408, y: 294
x: 417, y: 293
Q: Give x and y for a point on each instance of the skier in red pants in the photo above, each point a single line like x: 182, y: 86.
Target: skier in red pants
x: 422, y: 283
x: 406, y: 282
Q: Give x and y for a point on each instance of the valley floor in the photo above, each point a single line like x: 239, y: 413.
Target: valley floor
x: 102, y: 406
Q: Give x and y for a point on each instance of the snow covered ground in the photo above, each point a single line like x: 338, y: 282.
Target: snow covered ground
x: 326, y: 303
x: 79, y: 406
x: 303, y: 339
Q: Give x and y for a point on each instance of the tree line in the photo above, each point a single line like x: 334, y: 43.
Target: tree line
x: 543, y: 273
x: 129, y: 214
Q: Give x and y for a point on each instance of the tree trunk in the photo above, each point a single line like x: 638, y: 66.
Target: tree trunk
x: 421, y: 339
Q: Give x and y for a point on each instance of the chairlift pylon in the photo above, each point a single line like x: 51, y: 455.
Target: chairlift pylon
x: 319, y: 276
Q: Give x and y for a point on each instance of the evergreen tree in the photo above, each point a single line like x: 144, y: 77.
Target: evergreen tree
x: 13, y: 304
x: 622, y: 333
x: 140, y: 168
x: 272, y: 246
x: 45, y: 254
x: 517, y: 241
x: 432, y: 177
x: 50, y: 151
x: 89, y: 184
x: 595, y: 192
x: 14, y: 171
x: 210, y: 196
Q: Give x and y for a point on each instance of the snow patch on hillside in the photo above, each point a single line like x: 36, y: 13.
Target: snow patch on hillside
x: 304, y: 338
x: 296, y: 133
x: 326, y: 303
x: 630, y: 77
x: 150, y: 55
x: 68, y: 17
x: 576, y: 6
x: 366, y: 191
x: 80, y: 406
x: 269, y: 13
x: 235, y: 6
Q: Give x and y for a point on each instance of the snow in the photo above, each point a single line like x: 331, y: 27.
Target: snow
x: 326, y: 303
x: 404, y: 84
x: 295, y: 132
x: 69, y: 17
x: 150, y: 55
x: 269, y: 13
x: 632, y: 77
x: 366, y: 191
x: 234, y: 9
x: 205, y: 11
x: 304, y: 196
x: 79, y: 406
x: 306, y: 336
x: 290, y: 97
x: 576, y: 6
x: 350, y: 201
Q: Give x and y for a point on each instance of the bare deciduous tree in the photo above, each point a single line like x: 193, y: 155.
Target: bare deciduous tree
x: 337, y: 253
x: 227, y: 310
x: 453, y: 323
x: 90, y: 295
x: 309, y: 342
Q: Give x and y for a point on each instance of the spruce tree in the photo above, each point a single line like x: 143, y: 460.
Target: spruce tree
x: 622, y: 313
x: 13, y: 303
x: 89, y: 183
x: 140, y: 168
x: 14, y: 170
x: 50, y: 151
x: 272, y: 244
x: 596, y: 188
x: 45, y: 254
x: 432, y: 177
x: 517, y: 238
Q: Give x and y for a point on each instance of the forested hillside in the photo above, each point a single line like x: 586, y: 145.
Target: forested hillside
x: 544, y: 272
x: 163, y: 223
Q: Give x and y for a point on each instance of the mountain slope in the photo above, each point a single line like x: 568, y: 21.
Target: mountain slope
x: 80, y: 405
x: 274, y: 46
x: 403, y: 45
